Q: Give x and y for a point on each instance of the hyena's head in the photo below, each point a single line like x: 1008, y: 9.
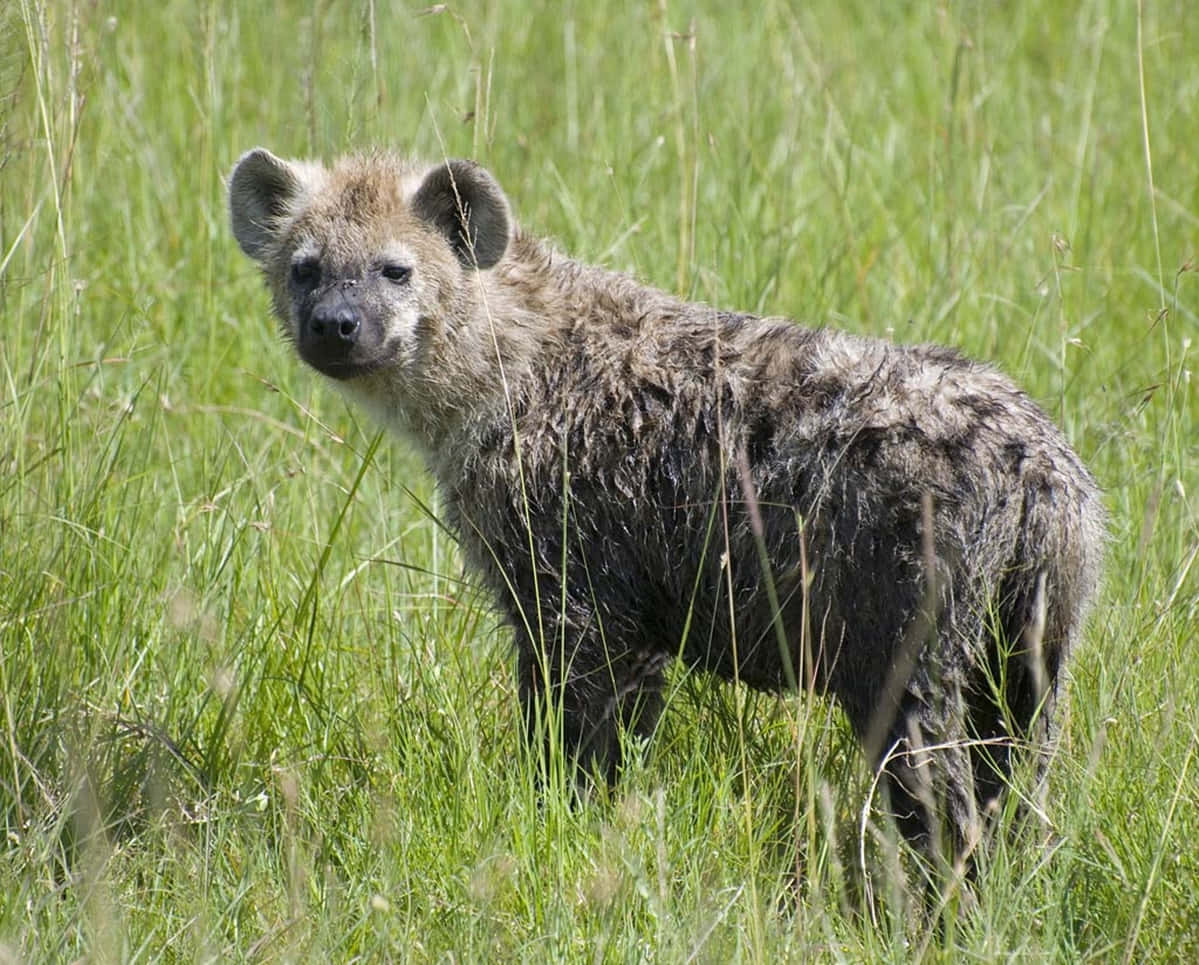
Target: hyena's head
x: 367, y: 260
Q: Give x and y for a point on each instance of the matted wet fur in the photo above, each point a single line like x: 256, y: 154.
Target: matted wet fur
x: 637, y: 478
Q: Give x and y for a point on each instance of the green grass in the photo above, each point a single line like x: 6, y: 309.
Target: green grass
x: 250, y: 710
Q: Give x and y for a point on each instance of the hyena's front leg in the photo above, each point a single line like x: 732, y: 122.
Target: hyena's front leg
x: 578, y: 698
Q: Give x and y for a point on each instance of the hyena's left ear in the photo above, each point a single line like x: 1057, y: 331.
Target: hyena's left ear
x: 465, y: 204
x: 263, y: 189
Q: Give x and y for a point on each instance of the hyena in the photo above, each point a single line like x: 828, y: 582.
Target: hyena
x: 637, y: 479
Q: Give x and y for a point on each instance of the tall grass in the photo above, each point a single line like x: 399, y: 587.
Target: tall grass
x: 252, y: 711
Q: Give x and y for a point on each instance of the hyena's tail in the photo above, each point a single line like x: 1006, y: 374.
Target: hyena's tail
x: 1041, y: 606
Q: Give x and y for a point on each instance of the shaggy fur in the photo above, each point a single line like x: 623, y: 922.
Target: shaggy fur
x: 637, y: 479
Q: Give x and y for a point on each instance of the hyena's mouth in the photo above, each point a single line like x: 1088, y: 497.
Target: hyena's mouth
x: 343, y: 344
x: 346, y: 368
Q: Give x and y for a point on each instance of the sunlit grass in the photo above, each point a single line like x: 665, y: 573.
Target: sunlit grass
x: 252, y: 711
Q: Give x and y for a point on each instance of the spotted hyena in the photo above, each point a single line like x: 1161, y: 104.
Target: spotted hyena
x: 637, y: 479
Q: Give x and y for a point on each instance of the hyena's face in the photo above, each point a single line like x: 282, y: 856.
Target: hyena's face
x: 365, y: 260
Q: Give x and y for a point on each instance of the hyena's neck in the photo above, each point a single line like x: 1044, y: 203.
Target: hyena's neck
x: 506, y: 330
x: 492, y: 334
x: 563, y: 292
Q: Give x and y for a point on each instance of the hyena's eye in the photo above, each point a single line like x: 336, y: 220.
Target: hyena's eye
x: 396, y: 273
x: 306, y: 274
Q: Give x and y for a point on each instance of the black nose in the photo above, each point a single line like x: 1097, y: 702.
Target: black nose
x: 336, y: 331
x: 335, y: 324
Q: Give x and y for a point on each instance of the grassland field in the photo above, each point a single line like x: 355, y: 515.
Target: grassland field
x: 250, y: 710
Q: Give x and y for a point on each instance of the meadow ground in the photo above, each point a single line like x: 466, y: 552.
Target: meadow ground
x: 252, y: 712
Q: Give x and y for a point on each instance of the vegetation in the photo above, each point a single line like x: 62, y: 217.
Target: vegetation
x: 251, y: 711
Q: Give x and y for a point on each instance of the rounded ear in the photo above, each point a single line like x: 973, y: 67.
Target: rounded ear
x: 465, y: 204
x: 262, y: 189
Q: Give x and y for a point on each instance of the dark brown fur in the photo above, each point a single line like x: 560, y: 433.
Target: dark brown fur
x: 637, y: 478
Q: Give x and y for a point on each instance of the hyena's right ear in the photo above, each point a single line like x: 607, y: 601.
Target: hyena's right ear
x: 463, y: 202
x: 263, y: 189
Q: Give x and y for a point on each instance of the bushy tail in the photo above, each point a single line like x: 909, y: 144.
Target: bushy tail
x: 1048, y: 593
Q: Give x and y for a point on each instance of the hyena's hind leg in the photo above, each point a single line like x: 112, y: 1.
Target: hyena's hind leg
x: 915, y: 732
x: 1013, y: 701
x: 926, y: 769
